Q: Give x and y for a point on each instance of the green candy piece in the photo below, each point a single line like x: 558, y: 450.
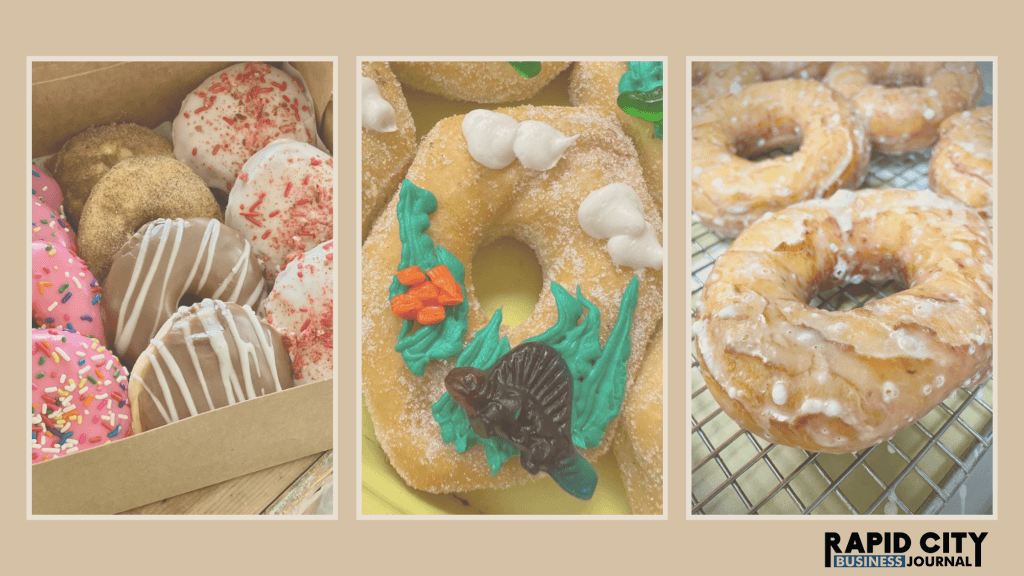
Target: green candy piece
x: 526, y: 69
x: 643, y: 105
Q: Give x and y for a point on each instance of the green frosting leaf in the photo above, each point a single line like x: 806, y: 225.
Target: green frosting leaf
x: 527, y: 69
x: 435, y: 341
x: 640, y: 93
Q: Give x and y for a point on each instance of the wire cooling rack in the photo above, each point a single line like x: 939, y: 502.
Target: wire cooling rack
x: 923, y: 470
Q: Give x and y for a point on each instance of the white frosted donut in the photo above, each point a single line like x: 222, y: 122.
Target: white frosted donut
x: 961, y: 163
x: 712, y: 79
x: 283, y: 201
x: 903, y: 103
x: 841, y: 381
x: 301, y: 308
x: 235, y: 113
x: 730, y: 191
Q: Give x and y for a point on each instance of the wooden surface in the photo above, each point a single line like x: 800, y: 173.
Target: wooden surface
x: 278, y: 490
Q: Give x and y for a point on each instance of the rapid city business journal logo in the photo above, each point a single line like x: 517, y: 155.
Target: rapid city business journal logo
x: 897, y: 550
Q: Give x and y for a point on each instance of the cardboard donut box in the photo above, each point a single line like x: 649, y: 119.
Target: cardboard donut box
x: 67, y: 98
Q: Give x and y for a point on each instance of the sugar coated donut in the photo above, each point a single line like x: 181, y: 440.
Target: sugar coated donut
x: 485, y: 82
x: 388, y: 139
x: 730, y: 191
x: 419, y: 306
x: 781, y: 70
x: 638, y: 442
x: 165, y: 261
x: 207, y: 356
x: 600, y: 84
x: 283, y: 201
x: 88, y: 156
x: 134, y: 192
x: 845, y: 380
x: 235, y: 113
x: 301, y: 308
x: 65, y: 294
x: 961, y: 163
x: 712, y: 79
x: 903, y: 103
x: 79, y: 395
x: 48, y: 226
x: 46, y: 189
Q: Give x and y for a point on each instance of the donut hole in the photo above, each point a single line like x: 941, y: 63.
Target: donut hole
x: 783, y: 138
x: 188, y: 300
x: 852, y: 284
x: 507, y: 275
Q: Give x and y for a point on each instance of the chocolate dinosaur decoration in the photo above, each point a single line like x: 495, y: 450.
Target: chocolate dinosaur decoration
x: 526, y: 398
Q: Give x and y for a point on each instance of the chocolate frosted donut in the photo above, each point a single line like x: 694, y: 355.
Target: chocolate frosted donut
x: 208, y: 356
x: 166, y: 260
x: 89, y: 156
x: 134, y: 192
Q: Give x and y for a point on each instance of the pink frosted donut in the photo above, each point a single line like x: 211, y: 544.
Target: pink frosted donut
x: 65, y: 294
x: 235, y: 113
x: 48, y: 226
x: 46, y: 189
x: 301, y: 308
x: 283, y: 201
x: 79, y: 395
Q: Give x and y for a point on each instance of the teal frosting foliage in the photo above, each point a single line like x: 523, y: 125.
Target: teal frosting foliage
x: 644, y: 83
x: 599, y: 373
x: 444, y: 339
x: 642, y: 77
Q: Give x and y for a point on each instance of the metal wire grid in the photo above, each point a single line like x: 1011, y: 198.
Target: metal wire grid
x: 923, y: 467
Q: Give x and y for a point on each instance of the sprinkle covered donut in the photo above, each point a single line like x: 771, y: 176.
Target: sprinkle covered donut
x: 961, y: 163
x: 484, y: 82
x: 419, y: 259
x: 712, y: 79
x: 903, y: 103
x: 165, y: 261
x: 79, y: 395
x: 65, y: 294
x: 730, y: 191
x: 841, y: 381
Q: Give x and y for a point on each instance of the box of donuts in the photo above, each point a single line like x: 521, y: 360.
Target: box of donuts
x: 512, y: 294
x: 182, y: 276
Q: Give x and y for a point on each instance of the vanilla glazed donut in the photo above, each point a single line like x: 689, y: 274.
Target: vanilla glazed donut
x: 484, y: 82
x: 134, y: 192
x: 388, y: 139
x: 207, y: 356
x: 781, y: 70
x: 841, y: 381
x: 961, y: 163
x: 712, y: 79
x: 638, y: 442
x: 730, y: 191
x: 598, y: 84
x: 453, y: 199
x: 903, y: 103
x: 165, y: 261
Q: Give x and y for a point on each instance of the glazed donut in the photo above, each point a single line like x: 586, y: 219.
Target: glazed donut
x: 388, y: 139
x: 235, y: 113
x: 207, y: 356
x: 47, y: 226
x: 462, y: 204
x: 730, y: 191
x: 598, y: 84
x: 903, y: 103
x: 782, y: 70
x: 283, y: 202
x: 638, y: 442
x: 79, y: 395
x: 65, y: 294
x: 301, y: 308
x: 961, y: 163
x: 88, y: 156
x: 712, y: 79
x: 165, y: 261
x: 484, y: 82
x: 46, y: 189
x: 845, y: 380
x: 134, y: 192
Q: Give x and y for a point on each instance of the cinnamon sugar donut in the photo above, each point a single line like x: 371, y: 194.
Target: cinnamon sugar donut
x: 484, y: 82
x: 781, y: 70
x: 712, y: 79
x: 134, y: 192
x: 903, y: 103
x: 638, y: 442
x: 730, y: 191
x: 455, y: 201
x: 388, y: 139
x: 845, y: 380
x: 961, y: 163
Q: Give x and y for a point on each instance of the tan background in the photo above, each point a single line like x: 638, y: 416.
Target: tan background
x: 541, y: 29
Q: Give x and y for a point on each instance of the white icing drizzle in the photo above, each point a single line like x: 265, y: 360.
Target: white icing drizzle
x: 378, y: 114
x: 616, y: 213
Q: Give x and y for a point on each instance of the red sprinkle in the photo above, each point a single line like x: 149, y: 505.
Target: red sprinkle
x: 266, y: 234
x: 195, y: 151
x: 215, y: 150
